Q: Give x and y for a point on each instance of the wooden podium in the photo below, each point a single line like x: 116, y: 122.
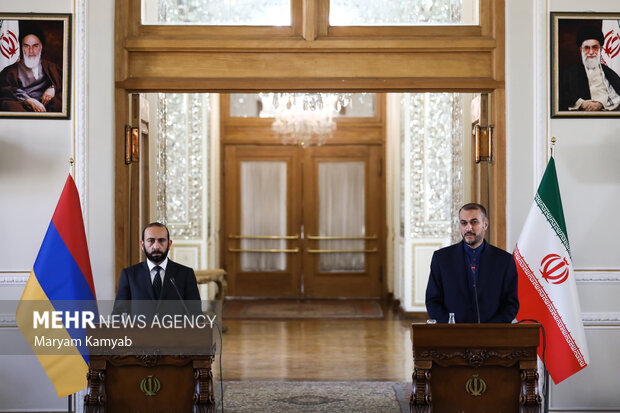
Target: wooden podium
x: 149, y: 376
x: 475, y: 368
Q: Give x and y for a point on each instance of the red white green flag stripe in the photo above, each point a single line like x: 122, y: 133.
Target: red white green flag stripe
x: 547, y: 286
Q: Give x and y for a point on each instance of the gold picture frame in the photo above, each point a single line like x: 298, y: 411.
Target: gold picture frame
x: 575, y: 91
x: 35, y: 65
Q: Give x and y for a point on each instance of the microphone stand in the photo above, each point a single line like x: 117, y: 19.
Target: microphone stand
x: 473, y: 273
x: 174, y: 284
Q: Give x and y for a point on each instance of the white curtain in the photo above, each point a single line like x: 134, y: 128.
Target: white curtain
x: 342, y: 214
x: 263, y: 212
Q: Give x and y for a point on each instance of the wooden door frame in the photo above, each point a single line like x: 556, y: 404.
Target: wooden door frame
x: 373, y: 156
x: 350, y: 131
x: 268, y: 279
x: 309, y: 56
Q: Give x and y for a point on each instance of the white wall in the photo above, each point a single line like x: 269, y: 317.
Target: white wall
x: 588, y: 168
x: 34, y: 157
x: 34, y: 165
x: 100, y: 144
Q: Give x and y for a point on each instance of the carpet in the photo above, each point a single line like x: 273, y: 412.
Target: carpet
x: 314, y: 397
x: 240, y: 309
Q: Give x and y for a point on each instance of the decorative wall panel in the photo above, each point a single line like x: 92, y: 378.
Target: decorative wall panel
x: 421, y: 253
x: 432, y: 183
x: 182, y: 164
x: 432, y: 122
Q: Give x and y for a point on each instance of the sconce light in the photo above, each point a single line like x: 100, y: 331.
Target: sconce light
x: 132, y: 144
x: 483, y: 143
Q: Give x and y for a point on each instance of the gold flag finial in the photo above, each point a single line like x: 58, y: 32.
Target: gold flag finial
x: 553, y: 141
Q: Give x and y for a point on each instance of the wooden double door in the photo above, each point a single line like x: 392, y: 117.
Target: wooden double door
x: 303, y: 222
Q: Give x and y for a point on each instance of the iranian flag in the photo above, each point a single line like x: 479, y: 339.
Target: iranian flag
x: 9, y: 42
x: 610, y: 52
x: 547, y: 287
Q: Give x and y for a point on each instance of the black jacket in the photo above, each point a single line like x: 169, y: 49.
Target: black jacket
x: 449, y: 288
x: 135, y: 290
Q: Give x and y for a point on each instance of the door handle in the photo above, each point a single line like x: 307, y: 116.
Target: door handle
x: 288, y: 251
x: 339, y: 251
x: 296, y: 236
x: 329, y: 237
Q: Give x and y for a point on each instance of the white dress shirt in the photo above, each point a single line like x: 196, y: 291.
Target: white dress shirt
x: 162, y: 272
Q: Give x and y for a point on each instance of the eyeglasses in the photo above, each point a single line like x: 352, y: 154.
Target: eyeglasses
x: 588, y: 48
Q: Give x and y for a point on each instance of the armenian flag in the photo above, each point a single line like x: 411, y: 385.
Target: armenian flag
x: 61, y: 280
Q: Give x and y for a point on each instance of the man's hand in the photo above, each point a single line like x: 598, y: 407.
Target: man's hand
x: 49, y: 93
x: 591, y: 105
x: 35, y: 105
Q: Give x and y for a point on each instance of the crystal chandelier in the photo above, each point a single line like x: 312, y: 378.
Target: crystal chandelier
x: 305, y: 118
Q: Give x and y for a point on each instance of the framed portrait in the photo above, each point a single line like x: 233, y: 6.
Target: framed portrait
x: 585, y: 65
x: 35, y: 62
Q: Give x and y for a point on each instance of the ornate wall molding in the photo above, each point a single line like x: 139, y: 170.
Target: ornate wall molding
x: 432, y: 123
x: 80, y: 104
x: 7, y: 320
x: 13, y: 278
x: 583, y: 276
x: 182, y: 162
x: 601, y: 318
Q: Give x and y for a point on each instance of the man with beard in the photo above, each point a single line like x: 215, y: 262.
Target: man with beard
x: 471, y: 268
x: 589, y: 85
x: 32, y: 84
x: 150, y: 280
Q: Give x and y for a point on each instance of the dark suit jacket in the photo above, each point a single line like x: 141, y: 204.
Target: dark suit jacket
x: 450, y: 288
x: 135, y: 286
x: 574, y: 84
x: 10, y: 84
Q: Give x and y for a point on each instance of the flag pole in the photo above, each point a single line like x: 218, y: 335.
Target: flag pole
x: 70, y: 397
x: 546, y: 372
x: 546, y: 390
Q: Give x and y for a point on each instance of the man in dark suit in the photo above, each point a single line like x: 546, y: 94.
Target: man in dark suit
x: 472, y: 265
x: 152, y: 282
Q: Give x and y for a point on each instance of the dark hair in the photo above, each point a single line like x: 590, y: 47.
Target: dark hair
x: 590, y: 32
x: 156, y: 224
x: 472, y: 206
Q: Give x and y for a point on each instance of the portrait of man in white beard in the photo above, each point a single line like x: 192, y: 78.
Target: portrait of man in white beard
x: 589, y: 85
x: 33, y: 83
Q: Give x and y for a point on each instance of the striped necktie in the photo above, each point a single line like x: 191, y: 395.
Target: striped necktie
x: 157, y: 283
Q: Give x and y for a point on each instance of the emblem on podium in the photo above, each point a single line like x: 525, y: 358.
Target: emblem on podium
x: 150, y: 385
x: 475, y: 386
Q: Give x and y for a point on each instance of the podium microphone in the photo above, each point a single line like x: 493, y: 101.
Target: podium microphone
x: 174, y: 284
x: 473, y: 273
